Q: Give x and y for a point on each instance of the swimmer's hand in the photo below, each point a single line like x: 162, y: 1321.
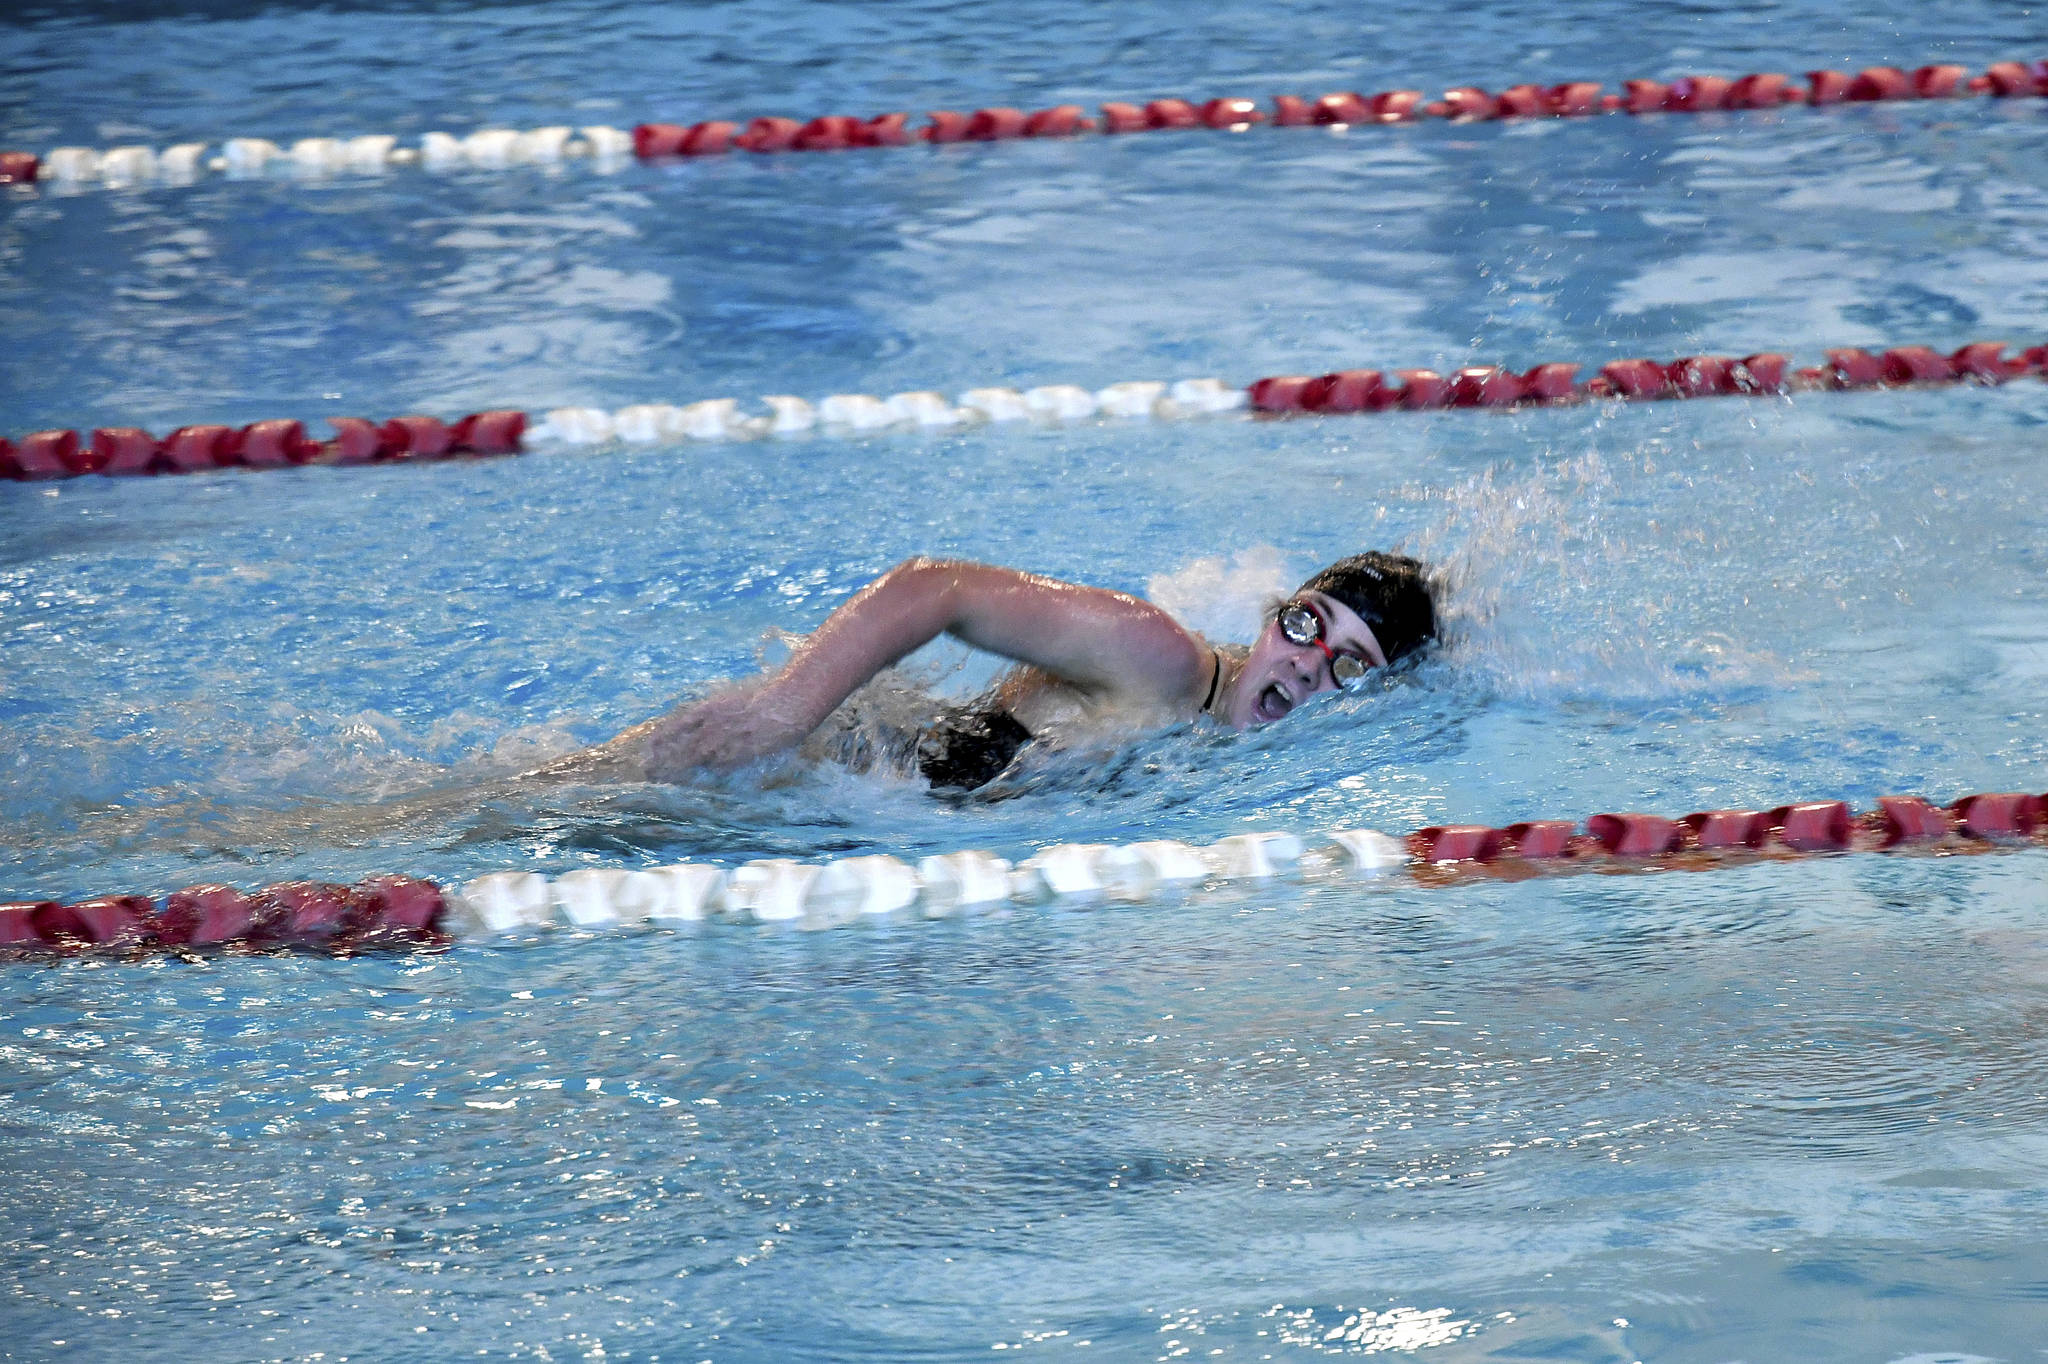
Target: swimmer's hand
x: 727, y: 730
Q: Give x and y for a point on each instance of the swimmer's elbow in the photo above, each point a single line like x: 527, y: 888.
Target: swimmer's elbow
x: 928, y: 586
x: 926, y: 569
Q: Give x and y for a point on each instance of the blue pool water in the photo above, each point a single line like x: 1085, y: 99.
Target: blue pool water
x: 1790, y: 1111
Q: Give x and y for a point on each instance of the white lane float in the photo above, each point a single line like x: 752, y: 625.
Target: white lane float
x: 841, y: 414
x: 781, y: 890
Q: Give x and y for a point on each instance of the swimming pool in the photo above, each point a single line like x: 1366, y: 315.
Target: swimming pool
x: 1786, y: 1110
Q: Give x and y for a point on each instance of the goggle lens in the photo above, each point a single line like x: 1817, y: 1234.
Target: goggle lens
x: 1302, y: 626
x: 1299, y: 624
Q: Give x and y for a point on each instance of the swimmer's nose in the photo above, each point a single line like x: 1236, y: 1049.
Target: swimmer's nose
x: 1308, y: 665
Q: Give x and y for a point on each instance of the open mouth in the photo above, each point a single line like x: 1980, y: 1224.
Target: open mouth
x: 1274, y: 702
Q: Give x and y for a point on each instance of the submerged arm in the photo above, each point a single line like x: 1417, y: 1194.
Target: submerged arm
x: 1104, y: 642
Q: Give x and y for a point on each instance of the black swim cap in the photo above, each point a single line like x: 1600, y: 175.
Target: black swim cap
x: 1389, y: 592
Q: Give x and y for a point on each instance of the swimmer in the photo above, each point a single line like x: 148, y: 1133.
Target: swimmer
x: 1094, y: 666
x: 1089, y: 659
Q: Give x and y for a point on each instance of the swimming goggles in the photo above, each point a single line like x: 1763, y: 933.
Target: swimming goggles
x: 1303, y: 625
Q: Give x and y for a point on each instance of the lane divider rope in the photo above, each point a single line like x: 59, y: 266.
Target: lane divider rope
x: 284, y: 442
x: 501, y: 148
x: 408, y: 912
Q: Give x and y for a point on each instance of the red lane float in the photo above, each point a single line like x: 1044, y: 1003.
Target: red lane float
x: 995, y: 125
x: 202, y: 916
x: 1636, y: 835
x: 269, y: 444
x: 1726, y: 830
x: 1803, y: 827
x: 1064, y: 121
x: 1231, y: 113
x: 394, y: 911
x: 713, y: 138
x: 488, y: 433
x: 192, y: 448
x: 1812, y: 826
x: 1691, y: 376
x: 123, y: 450
x: 1906, y: 819
x: 397, y: 904
x: 311, y: 912
x: 106, y: 920
x: 1999, y: 816
x: 18, y: 922
x: 947, y: 126
x: 1455, y: 843
x: 40, y: 454
x: 769, y: 134
x: 1540, y: 838
x: 417, y: 437
x: 116, y: 451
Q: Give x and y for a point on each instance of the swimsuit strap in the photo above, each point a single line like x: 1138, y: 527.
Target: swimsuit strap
x: 1215, y: 678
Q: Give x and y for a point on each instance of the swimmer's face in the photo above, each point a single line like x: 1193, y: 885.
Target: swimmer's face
x: 1280, y: 674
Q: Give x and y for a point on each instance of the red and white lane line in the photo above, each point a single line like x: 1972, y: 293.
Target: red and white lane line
x: 283, y: 442
x: 407, y: 912
x: 607, y: 147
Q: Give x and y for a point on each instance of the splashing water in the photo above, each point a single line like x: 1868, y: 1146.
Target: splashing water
x: 1528, y: 566
x: 1225, y: 600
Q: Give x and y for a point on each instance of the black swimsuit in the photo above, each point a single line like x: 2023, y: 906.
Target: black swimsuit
x: 970, y: 747
x: 966, y: 748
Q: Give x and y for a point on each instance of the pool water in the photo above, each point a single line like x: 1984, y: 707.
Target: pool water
x: 1792, y: 1110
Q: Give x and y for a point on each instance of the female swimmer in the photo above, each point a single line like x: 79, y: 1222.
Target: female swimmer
x: 1089, y: 657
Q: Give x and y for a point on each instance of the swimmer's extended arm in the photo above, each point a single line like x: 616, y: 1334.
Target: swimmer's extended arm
x: 1101, y: 641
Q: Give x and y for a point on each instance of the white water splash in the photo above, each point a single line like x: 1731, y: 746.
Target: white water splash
x: 1553, y: 589
x: 1225, y: 600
